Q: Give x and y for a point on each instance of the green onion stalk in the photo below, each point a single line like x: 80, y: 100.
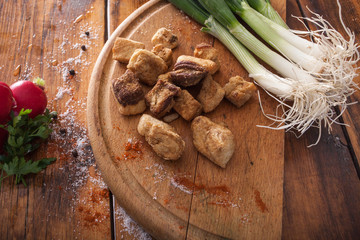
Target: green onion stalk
x: 220, y: 10
x: 338, y: 54
x: 265, y: 8
x: 310, y: 106
x: 308, y: 47
x: 262, y: 28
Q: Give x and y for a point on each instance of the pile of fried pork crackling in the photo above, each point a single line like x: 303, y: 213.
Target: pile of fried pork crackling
x: 151, y: 68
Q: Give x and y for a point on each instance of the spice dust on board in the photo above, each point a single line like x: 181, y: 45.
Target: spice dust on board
x: 132, y: 149
x: 93, y: 205
x: 259, y: 202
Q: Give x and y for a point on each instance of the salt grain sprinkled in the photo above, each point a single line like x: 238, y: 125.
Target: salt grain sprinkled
x: 130, y: 226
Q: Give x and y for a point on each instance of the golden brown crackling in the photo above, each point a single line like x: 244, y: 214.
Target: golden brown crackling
x: 147, y: 66
x: 206, y: 51
x: 161, y: 97
x: 187, y: 106
x: 164, y: 77
x: 162, y: 137
x: 124, y: 48
x: 163, y: 52
x: 128, y: 92
x: 166, y: 37
x: 214, y: 141
x: 187, y: 73
x: 127, y: 89
x: 209, y: 65
x: 211, y: 94
x: 171, y: 117
x: 238, y: 91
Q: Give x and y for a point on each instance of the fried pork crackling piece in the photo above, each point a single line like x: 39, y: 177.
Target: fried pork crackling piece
x: 206, y: 51
x: 214, y: 141
x: 211, y: 94
x: 171, y: 117
x: 162, y: 137
x: 164, y: 77
x: 163, y: 52
x: 166, y: 37
x: 238, y: 91
x: 123, y: 49
x: 147, y: 66
x: 129, y: 94
x: 209, y: 65
x: 187, y: 73
x: 187, y: 106
x: 161, y: 97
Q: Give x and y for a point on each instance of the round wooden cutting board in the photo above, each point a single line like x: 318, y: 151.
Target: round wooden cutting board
x: 191, y: 197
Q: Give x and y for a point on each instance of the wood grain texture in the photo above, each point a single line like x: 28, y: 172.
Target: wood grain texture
x: 251, y: 204
x: 321, y: 186
x: 351, y: 18
x: 119, y: 10
x: 44, y: 39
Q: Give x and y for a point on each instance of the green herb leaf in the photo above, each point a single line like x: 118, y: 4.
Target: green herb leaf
x: 43, y: 163
x: 24, y: 137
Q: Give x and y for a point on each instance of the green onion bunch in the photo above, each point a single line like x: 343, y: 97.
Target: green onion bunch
x: 315, y: 76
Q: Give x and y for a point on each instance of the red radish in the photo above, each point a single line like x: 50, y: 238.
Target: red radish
x: 30, y: 95
x: 6, y: 102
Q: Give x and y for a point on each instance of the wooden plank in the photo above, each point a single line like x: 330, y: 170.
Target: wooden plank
x: 119, y: 10
x: 321, y: 189
x: 69, y: 199
x: 350, y: 16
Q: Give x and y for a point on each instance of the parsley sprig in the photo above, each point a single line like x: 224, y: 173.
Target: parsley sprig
x: 25, y: 136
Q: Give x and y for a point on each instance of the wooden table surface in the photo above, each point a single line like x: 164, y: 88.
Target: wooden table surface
x: 69, y: 200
